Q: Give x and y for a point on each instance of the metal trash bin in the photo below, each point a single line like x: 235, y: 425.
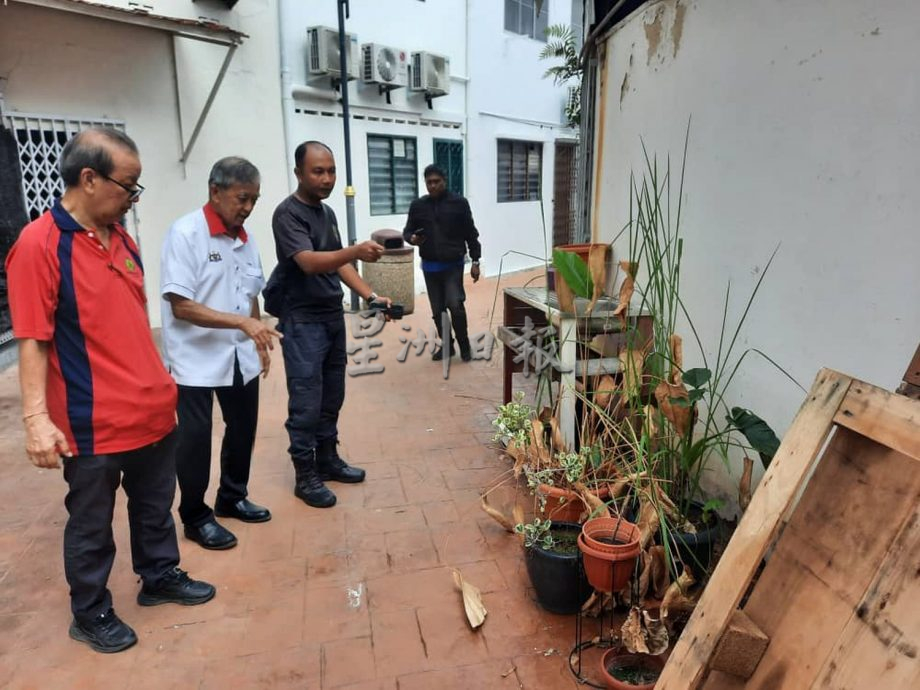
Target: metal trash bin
x: 393, y: 275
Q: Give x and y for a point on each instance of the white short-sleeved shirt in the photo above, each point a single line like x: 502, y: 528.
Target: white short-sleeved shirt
x: 202, y: 263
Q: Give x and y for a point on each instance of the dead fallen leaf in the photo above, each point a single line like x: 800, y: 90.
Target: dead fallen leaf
x: 496, y: 515
x: 555, y: 434
x: 509, y: 672
x: 472, y: 600
x: 596, y: 507
x: 549, y: 652
x: 744, y: 486
x: 680, y: 416
x: 659, y: 577
x: 565, y: 294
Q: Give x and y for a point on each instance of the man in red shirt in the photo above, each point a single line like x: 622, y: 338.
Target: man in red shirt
x: 94, y: 389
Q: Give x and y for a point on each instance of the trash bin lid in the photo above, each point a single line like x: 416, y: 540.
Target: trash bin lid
x: 390, y: 239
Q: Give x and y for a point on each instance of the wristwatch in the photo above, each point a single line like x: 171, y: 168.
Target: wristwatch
x: 476, y: 262
x: 372, y: 297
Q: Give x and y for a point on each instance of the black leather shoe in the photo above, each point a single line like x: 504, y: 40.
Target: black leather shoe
x: 176, y: 587
x: 211, y: 535
x: 244, y: 510
x: 465, y: 353
x: 105, y: 633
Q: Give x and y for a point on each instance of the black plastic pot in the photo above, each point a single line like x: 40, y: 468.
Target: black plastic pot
x: 558, y: 578
x: 696, y: 550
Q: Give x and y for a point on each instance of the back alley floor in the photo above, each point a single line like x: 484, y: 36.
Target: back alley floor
x: 359, y: 596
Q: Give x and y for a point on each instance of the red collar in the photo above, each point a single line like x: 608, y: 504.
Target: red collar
x: 216, y: 225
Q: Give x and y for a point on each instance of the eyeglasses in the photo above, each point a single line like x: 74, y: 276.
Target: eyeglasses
x: 134, y: 193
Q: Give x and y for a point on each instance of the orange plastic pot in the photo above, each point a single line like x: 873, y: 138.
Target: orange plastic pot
x: 564, y: 505
x: 603, y: 533
x: 610, y: 570
x: 619, y: 658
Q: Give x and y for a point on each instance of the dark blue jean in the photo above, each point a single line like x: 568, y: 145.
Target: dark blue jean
x: 314, y: 363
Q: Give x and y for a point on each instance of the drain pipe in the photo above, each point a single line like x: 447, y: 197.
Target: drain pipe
x: 287, y: 99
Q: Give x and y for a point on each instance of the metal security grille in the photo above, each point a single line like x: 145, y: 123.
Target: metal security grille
x: 40, y: 139
x: 448, y: 155
x: 565, y: 189
x: 37, y: 142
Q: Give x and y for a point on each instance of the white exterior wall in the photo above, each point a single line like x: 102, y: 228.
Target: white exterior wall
x: 805, y: 133
x: 92, y: 68
x: 500, y: 73
x: 509, y: 99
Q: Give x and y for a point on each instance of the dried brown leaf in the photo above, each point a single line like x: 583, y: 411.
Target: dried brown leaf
x: 556, y: 435
x: 627, y: 287
x: 647, y: 522
x: 679, y: 416
x: 656, y: 634
x: 679, y: 597
x: 472, y: 600
x: 496, y: 515
x: 604, y: 390
x: 677, y: 358
x: 659, y: 576
x: 565, y: 294
x: 631, y: 632
x: 744, y: 486
x: 596, y: 507
x: 597, y: 267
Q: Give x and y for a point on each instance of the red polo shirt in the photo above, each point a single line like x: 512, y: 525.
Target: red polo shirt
x: 107, y: 388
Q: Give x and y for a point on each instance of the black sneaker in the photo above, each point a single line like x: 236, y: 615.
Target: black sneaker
x: 105, y: 633
x: 176, y: 587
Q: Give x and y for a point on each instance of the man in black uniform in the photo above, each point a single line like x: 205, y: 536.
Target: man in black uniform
x: 441, y: 225
x: 314, y: 265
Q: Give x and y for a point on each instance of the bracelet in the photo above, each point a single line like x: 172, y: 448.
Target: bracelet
x: 34, y: 414
x: 372, y: 297
x: 476, y: 262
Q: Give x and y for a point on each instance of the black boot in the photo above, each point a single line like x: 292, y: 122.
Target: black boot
x: 307, y: 485
x: 449, y: 350
x: 331, y: 467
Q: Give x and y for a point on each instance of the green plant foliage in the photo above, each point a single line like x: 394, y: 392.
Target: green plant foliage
x: 574, y: 271
x: 536, y: 534
x: 561, y: 44
x: 757, y: 432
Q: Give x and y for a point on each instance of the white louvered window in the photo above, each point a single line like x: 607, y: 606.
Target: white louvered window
x: 527, y: 17
x: 520, y: 170
x: 393, y: 173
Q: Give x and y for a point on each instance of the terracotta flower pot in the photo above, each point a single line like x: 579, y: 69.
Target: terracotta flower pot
x: 565, y: 505
x: 617, y: 658
x: 609, y: 570
x: 603, y: 533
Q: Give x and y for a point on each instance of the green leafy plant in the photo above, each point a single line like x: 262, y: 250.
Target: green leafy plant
x: 562, y: 45
x: 513, y: 421
x: 536, y: 534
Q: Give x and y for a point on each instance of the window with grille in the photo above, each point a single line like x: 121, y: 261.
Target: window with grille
x: 393, y: 173
x: 526, y: 18
x: 448, y: 155
x: 520, y: 170
x: 33, y: 143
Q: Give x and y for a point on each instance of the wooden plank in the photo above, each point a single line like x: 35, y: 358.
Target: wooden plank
x: 755, y: 533
x: 828, y: 556
x: 879, y: 647
x: 892, y: 420
x: 741, y: 647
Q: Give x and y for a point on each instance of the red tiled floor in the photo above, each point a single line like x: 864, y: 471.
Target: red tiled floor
x: 356, y: 597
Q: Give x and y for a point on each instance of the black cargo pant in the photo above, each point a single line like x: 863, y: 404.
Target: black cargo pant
x: 239, y: 405
x: 445, y: 292
x: 148, y: 475
x: 314, y: 362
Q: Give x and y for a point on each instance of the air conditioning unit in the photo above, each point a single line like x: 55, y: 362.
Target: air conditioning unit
x: 430, y: 73
x: 323, y: 53
x: 384, y: 65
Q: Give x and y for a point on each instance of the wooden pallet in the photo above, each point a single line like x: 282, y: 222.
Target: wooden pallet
x: 836, y: 518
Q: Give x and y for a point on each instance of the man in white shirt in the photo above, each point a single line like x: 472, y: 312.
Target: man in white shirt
x: 215, y: 343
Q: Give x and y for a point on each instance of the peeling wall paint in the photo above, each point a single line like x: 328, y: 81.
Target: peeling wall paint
x: 664, y: 28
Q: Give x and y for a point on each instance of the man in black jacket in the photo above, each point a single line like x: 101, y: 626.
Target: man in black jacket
x: 441, y: 225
